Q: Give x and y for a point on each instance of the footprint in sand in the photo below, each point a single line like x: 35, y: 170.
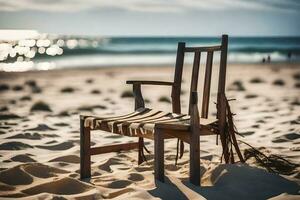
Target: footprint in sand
x: 41, y: 127
x: 15, y: 176
x: 286, y: 138
x: 61, y: 124
x: 7, y: 116
x: 30, y: 136
x: 251, y: 96
x: 64, y: 186
x: 135, y: 177
x: 57, y: 147
x: 22, y: 158
x: 247, y: 133
x: 107, y: 166
x: 42, y: 171
x: 119, y: 184
x: 14, y: 146
x: 69, y: 159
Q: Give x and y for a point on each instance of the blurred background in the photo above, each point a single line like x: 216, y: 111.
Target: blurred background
x: 42, y: 35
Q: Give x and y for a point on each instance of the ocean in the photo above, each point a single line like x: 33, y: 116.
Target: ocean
x: 46, y: 51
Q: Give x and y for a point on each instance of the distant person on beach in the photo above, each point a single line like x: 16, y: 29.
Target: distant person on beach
x: 289, y: 55
x: 263, y: 60
x: 269, y: 59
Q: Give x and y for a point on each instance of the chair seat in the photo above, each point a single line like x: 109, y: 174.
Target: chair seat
x: 142, y: 123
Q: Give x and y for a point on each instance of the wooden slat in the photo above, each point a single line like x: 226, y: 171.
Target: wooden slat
x: 142, y: 82
x: 176, y: 107
x: 195, y: 142
x: 85, y: 157
x: 140, y: 124
x: 221, y: 102
x: 180, y: 124
x: 203, y: 49
x: 114, y: 148
x: 157, y: 116
x: 124, y: 125
x: 138, y: 97
x: 137, y: 113
x: 223, y: 63
x: 195, y: 75
x: 137, y: 117
x: 151, y: 125
x: 207, y: 81
x: 159, y: 155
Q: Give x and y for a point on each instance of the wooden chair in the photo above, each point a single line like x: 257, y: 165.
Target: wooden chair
x: 158, y: 125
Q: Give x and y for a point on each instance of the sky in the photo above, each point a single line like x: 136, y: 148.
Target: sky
x: 153, y: 17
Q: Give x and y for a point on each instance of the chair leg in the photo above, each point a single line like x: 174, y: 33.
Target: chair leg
x: 140, y: 151
x: 159, y: 155
x: 85, y: 156
x: 195, y: 160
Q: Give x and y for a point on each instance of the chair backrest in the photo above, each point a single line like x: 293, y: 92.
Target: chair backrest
x: 182, y: 49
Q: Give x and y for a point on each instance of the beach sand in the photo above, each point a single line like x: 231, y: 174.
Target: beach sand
x: 39, y: 147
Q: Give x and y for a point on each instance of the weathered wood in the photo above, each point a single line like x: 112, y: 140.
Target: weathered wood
x: 203, y: 49
x: 176, y: 89
x: 223, y: 63
x: 85, y: 156
x: 159, y: 155
x: 139, y: 103
x: 158, y: 125
x: 194, y: 142
x: 138, y: 97
x: 114, y: 148
x: 206, y: 88
x: 111, y: 118
x: 142, y: 82
x: 140, y: 150
x: 221, y: 102
x: 194, y: 79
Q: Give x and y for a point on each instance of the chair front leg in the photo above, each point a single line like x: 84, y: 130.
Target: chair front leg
x: 140, y: 150
x: 139, y: 103
x: 159, y: 155
x: 194, y: 141
x: 85, y: 156
x: 195, y: 160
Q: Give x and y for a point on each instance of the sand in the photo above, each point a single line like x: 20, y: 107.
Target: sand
x: 39, y: 131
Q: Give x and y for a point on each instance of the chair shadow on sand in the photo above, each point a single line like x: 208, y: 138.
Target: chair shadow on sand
x: 229, y: 182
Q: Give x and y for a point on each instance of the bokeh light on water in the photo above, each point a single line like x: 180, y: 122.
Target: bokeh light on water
x: 46, y: 51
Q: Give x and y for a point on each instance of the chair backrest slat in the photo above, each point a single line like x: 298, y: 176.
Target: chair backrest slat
x: 207, y: 83
x: 195, y: 75
x: 223, y: 63
x: 182, y: 49
x: 203, y: 49
x: 176, y: 106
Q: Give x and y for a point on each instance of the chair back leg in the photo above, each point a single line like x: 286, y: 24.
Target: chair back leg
x: 159, y: 170
x: 85, y: 156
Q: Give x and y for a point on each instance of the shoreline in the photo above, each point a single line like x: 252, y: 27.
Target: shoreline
x: 159, y: 66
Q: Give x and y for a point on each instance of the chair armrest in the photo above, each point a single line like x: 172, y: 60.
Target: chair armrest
x: 142, y: 82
